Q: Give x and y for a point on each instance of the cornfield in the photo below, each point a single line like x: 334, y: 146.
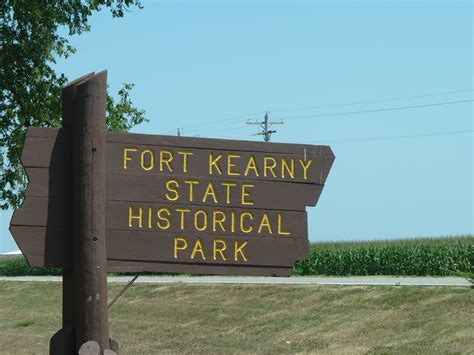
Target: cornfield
x: 416, y: 257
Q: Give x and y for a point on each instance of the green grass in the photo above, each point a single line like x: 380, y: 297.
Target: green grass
x: 24, y: 324
x: 235, y: 319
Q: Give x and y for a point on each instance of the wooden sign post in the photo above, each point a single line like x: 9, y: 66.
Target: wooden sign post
x: 99, y: 202
x: 88, y: 207
x: 85, y: 316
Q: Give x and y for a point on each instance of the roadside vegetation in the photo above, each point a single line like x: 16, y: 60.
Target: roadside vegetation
x: 414, y: 257
x: 18, y: 266
x: 248, y: 319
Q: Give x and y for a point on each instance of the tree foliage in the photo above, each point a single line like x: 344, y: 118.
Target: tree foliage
x: 30, y: 89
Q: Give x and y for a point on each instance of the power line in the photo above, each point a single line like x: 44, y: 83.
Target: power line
x: 378, y: 110
x: 373, y: 101
x: 357, y: 112
x: 219, y: 122
x: 227, y: 130
x: 392, y: 137
x: 206, y: 129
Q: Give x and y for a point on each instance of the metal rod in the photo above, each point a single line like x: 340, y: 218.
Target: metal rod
x: 123, y: 290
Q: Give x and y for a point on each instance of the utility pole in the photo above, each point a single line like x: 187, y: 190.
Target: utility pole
x: 179, y: 132
x: 265, y: 125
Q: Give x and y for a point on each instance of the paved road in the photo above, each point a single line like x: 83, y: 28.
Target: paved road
x: 307, y: 280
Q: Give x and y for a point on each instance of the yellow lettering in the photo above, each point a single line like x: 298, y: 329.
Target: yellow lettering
x: 289, y: 168
x: 221, y: 249
x: 182, y: 212
x: 166, y: 160
x: 210, y: 191
x: 252, y: 164
x: 218, y: 220
x: 280, y: 226
x: 177, y: 247
x: 232, y: 219
x: 198, y: 249
x: 240, y: 250
x: 245, y: 194
x: 204, y: 221
x: 191, y: 188
x: 265, y: 222
x: 185, y: 155
x: 175, y: 195
x: 149, y: 217
x: 231, y: 164
x: 151, y: 159
x: 164, y: 219
x: 132, y: 216
x: 228, y: 186
x: 126, y: 157
x: 213, y: 162
x: 242, y: 217
x: 270, y: 167
x: 305, y: 167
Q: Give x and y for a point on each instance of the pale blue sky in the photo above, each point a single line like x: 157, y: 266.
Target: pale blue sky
x: 195, y: 62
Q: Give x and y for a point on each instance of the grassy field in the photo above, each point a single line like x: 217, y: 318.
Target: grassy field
x: 180, y: 318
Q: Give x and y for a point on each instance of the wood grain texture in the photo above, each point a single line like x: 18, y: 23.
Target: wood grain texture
x: 263, y: 195
x: 203, y: 269
x: 44, y: 246
x: 37, y: 153
x: 61, y: 160
x: 194, y: 142
x: 179, y: 218
x: 88, y: 205
x: 135, y: 247
x: 138, y: 188
x: 259, y: 251
x: 149, y: 188
x: 230, y: 164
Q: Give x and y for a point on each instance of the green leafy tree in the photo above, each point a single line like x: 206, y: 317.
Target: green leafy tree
x: 30, y: 89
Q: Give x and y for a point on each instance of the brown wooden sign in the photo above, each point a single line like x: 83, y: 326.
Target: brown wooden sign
x: 177, y: 204
x: 132, y: 202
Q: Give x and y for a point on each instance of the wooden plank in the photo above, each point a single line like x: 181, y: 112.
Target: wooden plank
x: 41, y: 211
x: 263, y: 195
x: 149, y: 188
x: 128, y: 216
x: 229, y: 164
x: 217, y: 144
x: 203, y: 269
x: 149, y: 246
x: 44, y: 246
x: 138, y: 247
x: 47, y: 147
x: 190, y: 142
x: 38, y: 152
x: 205, y: 221
x: 45, y: 182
